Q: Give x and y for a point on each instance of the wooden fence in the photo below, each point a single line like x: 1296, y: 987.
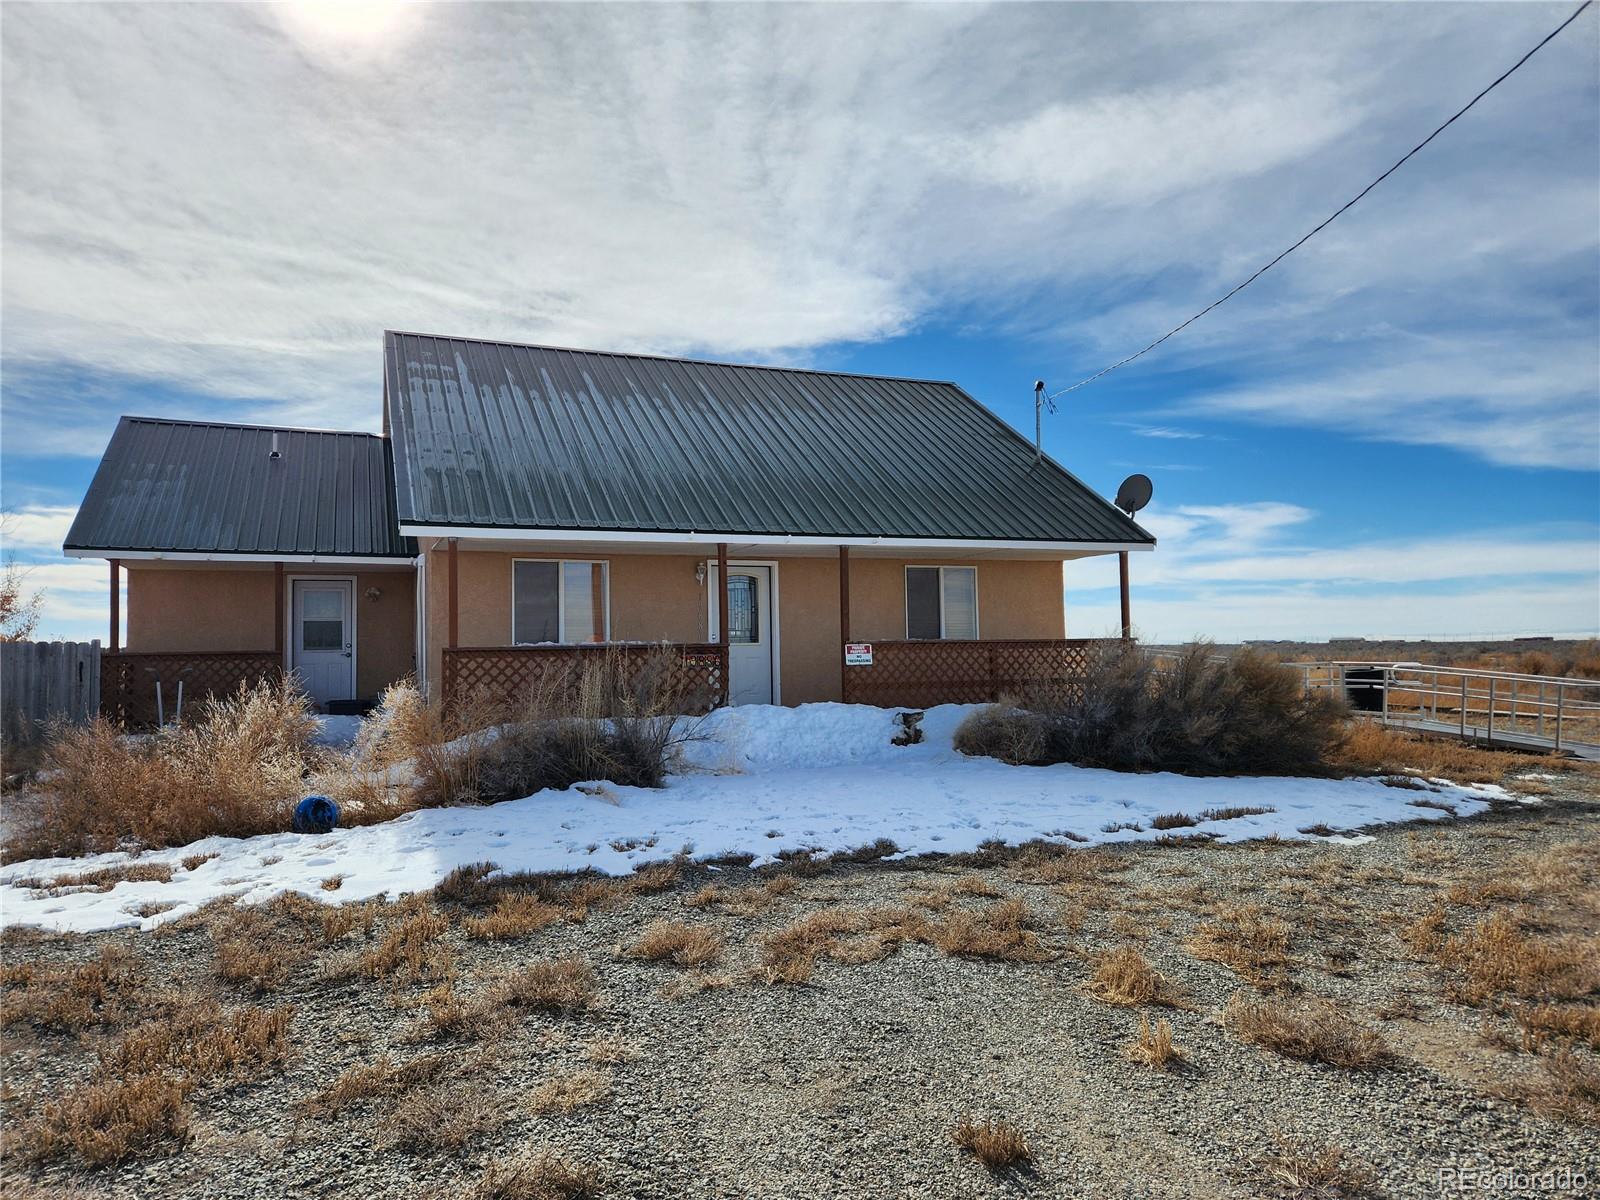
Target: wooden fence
x: 128, y: 682
x: 921, y: 674
x: 692, y: 675
x: 41, y: 682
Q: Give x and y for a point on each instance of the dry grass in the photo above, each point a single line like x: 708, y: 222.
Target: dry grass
x: 533, y: 1176
x: 679, y: 943
x: 1498, y: 956
x: 1153, y: 1046
x: 383, y: 1080
x: 998, y: 932
x: 514, y: 915
x: 102, y: 880
x: 1567, y: 1086
x: 192, y: 861
x: 111, y: 1120
x: 1311, y: 1031
x: 852, y: 935
x: 409, y: 949
x: 203, y: 1043
x: 105, y: 992
x: 655, y: 877
x: 1122, y: 976
x: 1249, y: 941
x: 1315, y: 1171
x: 558, y: 986
x: 236, y: 769
x: 995, y: 1144
x: 441, y: 1117
x: 568, y: 1093
x: 1580, y: 1022
x: 610, y: 1049
x: 1369, y: 749
x: 1173, y: 821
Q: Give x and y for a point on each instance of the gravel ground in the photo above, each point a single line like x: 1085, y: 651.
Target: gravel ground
x: 848, y: 1086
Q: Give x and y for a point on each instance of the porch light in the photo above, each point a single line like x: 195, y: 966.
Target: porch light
x: 700, y: 572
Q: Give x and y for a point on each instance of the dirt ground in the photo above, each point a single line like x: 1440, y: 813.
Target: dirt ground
x: 1343, y: 1020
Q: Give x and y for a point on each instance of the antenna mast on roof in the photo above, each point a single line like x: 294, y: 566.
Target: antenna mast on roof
x: 1040, y: 402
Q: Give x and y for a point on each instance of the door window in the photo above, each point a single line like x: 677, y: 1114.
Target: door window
x: 321, y: 620
x: 744, y: 610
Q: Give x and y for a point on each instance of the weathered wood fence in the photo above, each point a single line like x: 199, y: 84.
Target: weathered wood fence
x: 45, y: 681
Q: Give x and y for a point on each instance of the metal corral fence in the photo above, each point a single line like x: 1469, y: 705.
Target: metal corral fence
x: 1548, y: 712
x: 42, y: 682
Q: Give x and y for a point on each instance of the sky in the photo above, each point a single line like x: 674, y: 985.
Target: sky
x: 214, y: 210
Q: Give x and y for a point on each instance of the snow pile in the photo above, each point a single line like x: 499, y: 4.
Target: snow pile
x: 758, y: 780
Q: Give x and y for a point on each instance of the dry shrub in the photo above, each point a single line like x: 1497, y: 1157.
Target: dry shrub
x: 1567, y: 1086
x: 192, y: 861
x: 1368, y: 748
x: 72, y: 998
x: 557, y: 986
x: 514, y: 915
x: 1248, y: 940
x: 442, y: 1117
x: 534, y: 1176
x: 1497, y: 955
x: 568, y: 1093
x: 1124, y: 977
x: 1311, y: 1031
x: 382, y: 1080
x: 1310, y: 1169
x: 1197, y: 714
x: 999, y: 932
x: 1153, y: 1047
x: 203, y: 1043
x: 108, y: 1121
x: 679, y: 943
x: 236, y: 768
x: 995, y: 1144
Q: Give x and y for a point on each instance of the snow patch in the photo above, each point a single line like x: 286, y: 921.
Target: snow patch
x: 758, y: 780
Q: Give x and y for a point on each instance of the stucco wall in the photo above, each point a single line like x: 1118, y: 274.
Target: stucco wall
x: 183, y: 608
x: 656, y: 598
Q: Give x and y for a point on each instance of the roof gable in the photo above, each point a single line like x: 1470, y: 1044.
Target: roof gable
x: 204, y: 487
x: 503, y: 435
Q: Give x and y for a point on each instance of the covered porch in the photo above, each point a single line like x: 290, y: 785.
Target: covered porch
x: 865, y: 621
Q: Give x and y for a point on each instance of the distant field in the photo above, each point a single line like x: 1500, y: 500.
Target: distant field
x: 1576, y: 658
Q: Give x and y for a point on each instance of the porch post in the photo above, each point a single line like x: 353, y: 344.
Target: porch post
x: 1127, y: 608
x: 116, y: 605
x: 451, y: 605
x: 844, y: 614
x: 277, y: 611
x: 722, y: 621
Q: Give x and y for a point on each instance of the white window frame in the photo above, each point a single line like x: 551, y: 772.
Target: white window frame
x: 561, y: 599
x: 905, y: 598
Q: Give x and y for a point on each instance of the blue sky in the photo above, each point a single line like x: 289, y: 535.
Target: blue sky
x: 214, y: 210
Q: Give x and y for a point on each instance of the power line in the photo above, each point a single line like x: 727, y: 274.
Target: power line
x: 1349, y: 204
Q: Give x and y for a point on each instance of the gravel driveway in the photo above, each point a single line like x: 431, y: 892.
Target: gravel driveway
x: 709, y: 1081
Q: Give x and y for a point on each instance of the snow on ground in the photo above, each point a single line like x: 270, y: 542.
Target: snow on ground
x: 761, y: 780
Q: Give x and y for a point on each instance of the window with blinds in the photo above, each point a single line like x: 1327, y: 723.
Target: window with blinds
x: 941, y: 602
x: 557, y: 602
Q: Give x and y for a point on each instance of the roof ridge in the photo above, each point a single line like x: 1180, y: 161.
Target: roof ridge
x: 250, y: 425
x: 702, y: 362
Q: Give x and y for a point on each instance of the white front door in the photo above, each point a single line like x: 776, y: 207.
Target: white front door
x: 751, y: 635
x: 323, y: 638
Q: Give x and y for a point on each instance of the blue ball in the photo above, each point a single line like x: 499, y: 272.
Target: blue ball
x: 315, y: 814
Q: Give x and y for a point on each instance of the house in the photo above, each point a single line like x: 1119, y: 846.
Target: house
x: 526, y: 504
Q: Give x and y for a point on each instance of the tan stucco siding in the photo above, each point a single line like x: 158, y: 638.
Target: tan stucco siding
x: 657, y: 598
x: 177, y: 609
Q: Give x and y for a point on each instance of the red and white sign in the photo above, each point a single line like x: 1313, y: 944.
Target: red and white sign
x: 858, y: 654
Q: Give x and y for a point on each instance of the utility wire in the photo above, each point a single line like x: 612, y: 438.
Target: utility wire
x: 1349, y: 204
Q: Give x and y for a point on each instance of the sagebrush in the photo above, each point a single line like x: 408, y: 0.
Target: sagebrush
x: 1195, y: 713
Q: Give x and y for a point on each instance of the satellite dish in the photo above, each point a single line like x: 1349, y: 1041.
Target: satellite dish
x: 1134, y: 493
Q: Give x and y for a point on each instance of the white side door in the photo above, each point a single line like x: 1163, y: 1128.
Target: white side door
x: 323, y: 638
x: 751, y: 634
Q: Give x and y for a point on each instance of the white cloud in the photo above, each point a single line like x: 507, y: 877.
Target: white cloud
x: 35, y: 527
x: 764, y: 180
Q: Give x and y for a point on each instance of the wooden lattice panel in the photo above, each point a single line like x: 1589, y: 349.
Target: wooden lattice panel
x: 920, y: 674
x: 128, y: 681
x: 508, y: 675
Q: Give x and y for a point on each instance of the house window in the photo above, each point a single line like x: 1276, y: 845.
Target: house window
x: 941, y: 602
x: 557, y: 601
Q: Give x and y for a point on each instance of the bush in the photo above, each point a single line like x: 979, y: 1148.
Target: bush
x: 1196, y: 715
x: 237, y: 769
